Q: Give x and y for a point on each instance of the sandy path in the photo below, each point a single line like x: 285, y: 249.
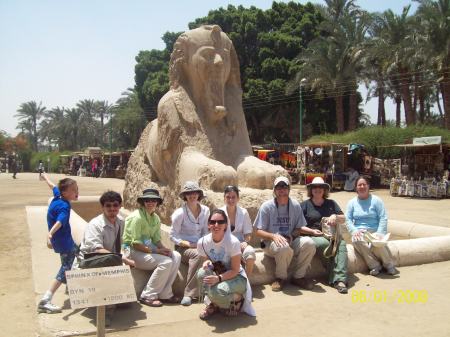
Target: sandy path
x: 292, y: 312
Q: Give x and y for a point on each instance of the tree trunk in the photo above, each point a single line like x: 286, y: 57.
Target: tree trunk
x: 352, y: 118
x: 421, y: 106
x: 445, y: 85
x: 410, y: 116
x: 398, y: 102
x: 381, y: 111
x: 340, y: 113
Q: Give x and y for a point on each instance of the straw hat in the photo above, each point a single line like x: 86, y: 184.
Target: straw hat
x: 318, y: 182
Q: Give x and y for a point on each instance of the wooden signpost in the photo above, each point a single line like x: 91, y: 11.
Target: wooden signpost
x: 99, y: 287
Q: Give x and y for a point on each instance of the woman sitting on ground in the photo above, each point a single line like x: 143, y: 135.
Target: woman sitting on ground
x: 142, y: 235
x: 240, y: 225
x: 190, y: 223
x: 223, y: 279
x: 317, y: 207
x: 366, y: 213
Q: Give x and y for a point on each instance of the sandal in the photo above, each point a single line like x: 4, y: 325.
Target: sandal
x: 151, y: 303
x: 235, y: 307
x: 208, y: 311
x: 171, y: 300
x: 341, y: 287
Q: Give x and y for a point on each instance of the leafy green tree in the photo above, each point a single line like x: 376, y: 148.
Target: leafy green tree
x: 29, y: 114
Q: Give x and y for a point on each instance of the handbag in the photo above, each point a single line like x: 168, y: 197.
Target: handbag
x: 100, y: 260
x: 333, y: 235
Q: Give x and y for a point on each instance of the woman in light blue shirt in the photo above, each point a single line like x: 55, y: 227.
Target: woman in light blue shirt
x: 366, y: 213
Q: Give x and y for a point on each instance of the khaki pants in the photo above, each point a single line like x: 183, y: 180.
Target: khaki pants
x: 165, y: 270
x: 373, y: 255
x: 190, y: 257
x: 300, y: 252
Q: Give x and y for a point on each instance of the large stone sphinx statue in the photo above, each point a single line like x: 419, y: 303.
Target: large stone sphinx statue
x: 200, y: 133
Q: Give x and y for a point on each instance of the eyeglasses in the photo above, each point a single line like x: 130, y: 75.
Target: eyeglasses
x: 217, y: 222
x: 111, y: 205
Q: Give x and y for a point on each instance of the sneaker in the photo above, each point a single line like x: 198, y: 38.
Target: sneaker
x: 277, y: 285
x: 304, y: 283
x: 186, y: 301
x: 48, y: 307
x: 375, y: 271
x: 392, y: 271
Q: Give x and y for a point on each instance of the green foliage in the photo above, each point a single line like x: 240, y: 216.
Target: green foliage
x: 374, y: 137
x: 45, y: 156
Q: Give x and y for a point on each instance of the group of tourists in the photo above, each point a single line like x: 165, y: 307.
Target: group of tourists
x: 215, y: 245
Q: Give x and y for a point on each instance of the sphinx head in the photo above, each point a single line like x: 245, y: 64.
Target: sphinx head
x: 201, y: 63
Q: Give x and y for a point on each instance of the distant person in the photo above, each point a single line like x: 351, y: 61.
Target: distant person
x: 14, y: 168
x: 59, y: 236
x: 41, y: 167
x: 366, y: 213
x: 351, y: 176
x: 278, y: 224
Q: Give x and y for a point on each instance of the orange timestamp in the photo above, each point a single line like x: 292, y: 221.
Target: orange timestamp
x: 387, y: 296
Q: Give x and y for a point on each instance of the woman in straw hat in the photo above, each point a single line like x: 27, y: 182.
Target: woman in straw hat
x: 190, y: 223
x: 142, y: 234
x: 315, y: 209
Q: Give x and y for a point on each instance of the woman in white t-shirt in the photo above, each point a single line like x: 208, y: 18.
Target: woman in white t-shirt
x: 224, y: 281
x: 190, y: 223
x: 240, y: 225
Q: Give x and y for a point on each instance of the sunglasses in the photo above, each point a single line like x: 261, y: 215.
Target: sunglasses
x: 112, y: 205
x: 217, y: 222
x: 150, y: 200
x: 281, y: 187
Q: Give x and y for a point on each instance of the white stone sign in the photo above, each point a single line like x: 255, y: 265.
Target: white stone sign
x: 100, y: 286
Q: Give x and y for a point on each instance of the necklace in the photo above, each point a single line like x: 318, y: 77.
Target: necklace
x: 189, y: 217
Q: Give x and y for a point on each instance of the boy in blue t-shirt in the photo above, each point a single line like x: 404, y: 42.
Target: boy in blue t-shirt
x: 59, y: 235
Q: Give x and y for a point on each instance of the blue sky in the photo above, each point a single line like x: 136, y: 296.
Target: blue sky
x: 59, y: 52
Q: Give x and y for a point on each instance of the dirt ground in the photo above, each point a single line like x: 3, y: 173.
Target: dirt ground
x: 291, y: 312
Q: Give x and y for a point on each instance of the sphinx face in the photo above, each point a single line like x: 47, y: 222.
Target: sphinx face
x: 208, y: 69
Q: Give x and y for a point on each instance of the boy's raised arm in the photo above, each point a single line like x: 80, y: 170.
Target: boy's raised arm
x: 45, y: 178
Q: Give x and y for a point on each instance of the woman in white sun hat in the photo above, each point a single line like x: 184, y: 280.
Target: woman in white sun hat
x: 190, y: 223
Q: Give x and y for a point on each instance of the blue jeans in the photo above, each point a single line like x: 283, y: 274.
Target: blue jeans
x: 222, y: 294
x: 66, y: 264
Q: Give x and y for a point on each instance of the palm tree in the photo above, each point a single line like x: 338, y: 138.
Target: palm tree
x: 53, y: 127
x: 29, y: 113
x: 332, y: 63
x: 73, y: 124
x: 89, y: 110
x: 103, y: 110
x: 396, y: 37
x: 435, y: 18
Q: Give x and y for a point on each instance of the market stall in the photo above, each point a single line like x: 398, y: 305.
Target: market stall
x: 334, y: 162
x: 424, y: 169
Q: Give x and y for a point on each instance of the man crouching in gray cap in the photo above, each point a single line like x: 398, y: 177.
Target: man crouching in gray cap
x: 277, y: 223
